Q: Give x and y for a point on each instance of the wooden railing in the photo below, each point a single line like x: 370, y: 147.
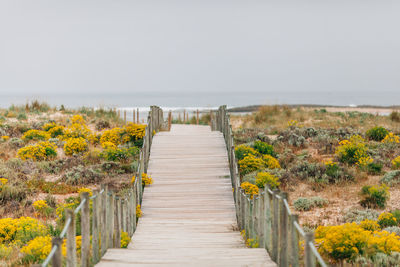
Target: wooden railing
x: 110, y: 214
x: 266, y: 218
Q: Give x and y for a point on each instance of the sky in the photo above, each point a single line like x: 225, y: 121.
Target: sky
x: 295, y: 49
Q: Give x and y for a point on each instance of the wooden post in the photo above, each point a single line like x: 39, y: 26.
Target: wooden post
x: 71, y: 242
x: 243, y: 209
x: 275, y: 226
x: 169, y: 120
x: 123, y: 211
x: 57, y: 258
x: 119, y: 114
x: 309, y: 260
x: 95, y: 226
x: 85, y: 230
x: 137, y: 115
x: 294, y: 241
x: 197, y: 117
x: 125, y: 116
x: 133, y: 116
x: 253, y: 207
x: 184, y: 116
x: 283, y: 232
x: 134, y: 203
x: 104, y: 220
x: 261, y: 221
x: 110, y: 219
x: 268, y: 220
x: 117, y: 229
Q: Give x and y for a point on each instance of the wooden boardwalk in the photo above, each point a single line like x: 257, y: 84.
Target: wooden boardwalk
x: 189, y: 214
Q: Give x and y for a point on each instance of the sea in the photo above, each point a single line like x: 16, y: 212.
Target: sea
x: 202, y: 101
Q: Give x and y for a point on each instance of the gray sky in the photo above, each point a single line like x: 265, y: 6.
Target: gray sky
x: 120, y: 46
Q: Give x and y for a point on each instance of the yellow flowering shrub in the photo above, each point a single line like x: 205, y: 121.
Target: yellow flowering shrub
x: 384, y: 242
x: 146, y: 179
x: 3, y: 181
x: 48, y: 126
x: 353, y: 151
x: 113, y: 135
x: 265, y: 178
x: 242, y: 151
x: 20, y: 231
x: 85, y: 189
x: 133, y: 132
x: 77, y: 119
x: 292, y: 123
x: 108, y: 145
x: 271, y: 162
x: 35, y: 135
x: 249, y: 189
x: 341, y: 242
x: 40, y: 151
x: 94, y: 138
x: 125, y: 239
x: 36, y: 250
x: 387, y: 219
x: 249, y: 164
x: 370, y: 225
x: 41, y: 207
x: 139, y: 212
x: 374, y: 196
x: 78, y: 242
x: 75, y: 146
x: 133, y: 179
x: 4, y: 138
x: 56, y: 131
x: 396, y: 163
x: 76, y: 130
x: 391, y: 138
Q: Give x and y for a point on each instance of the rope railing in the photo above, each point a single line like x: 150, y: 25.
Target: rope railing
x: 266, y: 218
x: 111, y: 214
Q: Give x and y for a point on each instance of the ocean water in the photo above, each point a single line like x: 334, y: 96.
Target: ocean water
x: 207, y: 99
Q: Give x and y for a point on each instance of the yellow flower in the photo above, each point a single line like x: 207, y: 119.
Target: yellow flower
x: 113, y: 136
x: 133, y: 179
x: 36, y: 135
x: 75, y: 146
x: 146, y: 179
x: 391, y: 138
x: 5, y: 138
x: 139, y: 212
x: 125, y: 239
x: 38, y: 151
x: 249, y: 189
x: 271, y: 162
x: 396, y: 163
x: 77, y: 119
x: 3, y: 181
x: 37, y: 249
x: 133, y: 132
x: 84, y: 189
x: 108, y: 145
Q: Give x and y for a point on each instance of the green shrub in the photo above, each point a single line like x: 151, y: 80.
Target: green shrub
x: 374, y: 168
x: 391, y: 178
x: 358, y: 215
x: 374, y: 196
x: 242, y: 151
x: 377, y: 133
x: 353, y: 151
x: 392, y: 229
x: 119, y: 154
x: 386, y: 219
x: 265, y: 178
x: 264, y: 148
x: 306, y: 204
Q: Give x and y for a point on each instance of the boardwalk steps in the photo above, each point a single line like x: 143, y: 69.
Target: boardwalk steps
x: 189, y: 214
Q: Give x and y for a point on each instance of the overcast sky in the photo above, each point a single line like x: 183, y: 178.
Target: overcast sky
x: 119, y: 46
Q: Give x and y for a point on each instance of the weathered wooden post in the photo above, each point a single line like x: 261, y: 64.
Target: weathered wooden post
x: 71, y: 242
x: 85, y: 230
x: 254, y: 217
x: 117, y: 229
x: 197, y: 117
x: 123, y: 211
x: 261, y: 221
x: 104, y: 219
x: 243, y: 209
x: 57, y: 258
x: 110, y: 219
x: 309, y: 260
x: 95, y: 226
x: 294, y: 240
x: 283, y: 232
x: 275, y: 226
x: 124, y: 116
x: 133, y: 116
x: 134, y: 203
x: 137, y: 115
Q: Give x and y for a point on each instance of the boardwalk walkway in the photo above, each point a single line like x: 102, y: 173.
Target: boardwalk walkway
x: 189, y: 214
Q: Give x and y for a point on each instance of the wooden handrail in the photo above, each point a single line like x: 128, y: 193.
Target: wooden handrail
x: 267, y: 217
x: 110, y: 214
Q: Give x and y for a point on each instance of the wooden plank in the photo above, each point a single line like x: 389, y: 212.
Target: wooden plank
x: 189, y: 215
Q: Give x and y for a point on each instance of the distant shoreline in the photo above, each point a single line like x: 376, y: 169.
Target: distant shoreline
x: 331, y: 108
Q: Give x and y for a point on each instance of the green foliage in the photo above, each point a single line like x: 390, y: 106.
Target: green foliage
x: 241, y: 151
x: 264, y: 148
x: 265, y: 178
x: 374, y: 168
x: 391, y: 178
x: 374, y: 196
x: 359, y: 215
x: 377, y: 133
x: 119, y: 154
x: 386, y: 219
x: 306, y: 204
